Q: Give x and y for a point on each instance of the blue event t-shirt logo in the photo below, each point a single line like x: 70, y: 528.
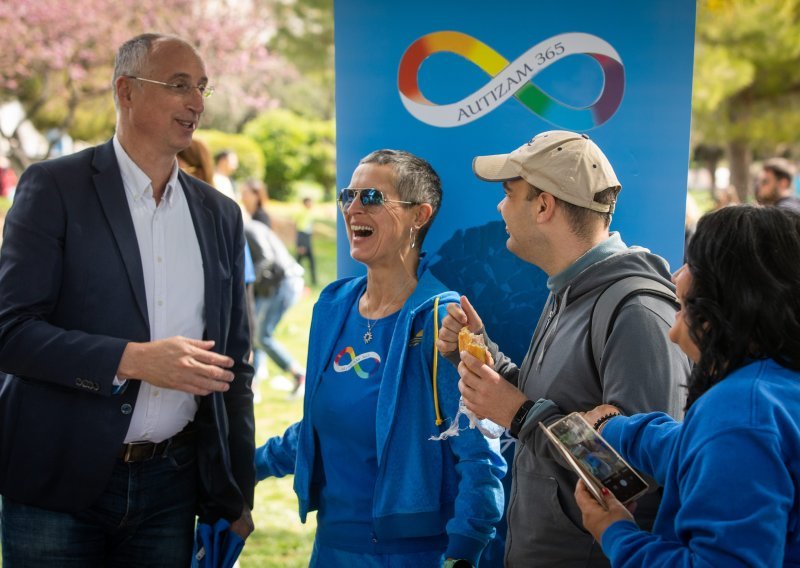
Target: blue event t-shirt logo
x: 355, y: 361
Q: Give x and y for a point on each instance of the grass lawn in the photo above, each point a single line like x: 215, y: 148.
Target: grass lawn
x: 280, y: 539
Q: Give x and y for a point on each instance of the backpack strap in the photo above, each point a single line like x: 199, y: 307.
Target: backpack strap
x: 611, y: 300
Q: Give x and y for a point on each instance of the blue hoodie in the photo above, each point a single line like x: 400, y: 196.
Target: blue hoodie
x: 424, y: 488
x: 730, y: 472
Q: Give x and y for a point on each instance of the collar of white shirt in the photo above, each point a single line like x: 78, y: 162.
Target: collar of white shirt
x: 136, y: 182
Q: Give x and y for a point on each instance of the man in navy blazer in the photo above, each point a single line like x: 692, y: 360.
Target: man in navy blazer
x: 125, y: 398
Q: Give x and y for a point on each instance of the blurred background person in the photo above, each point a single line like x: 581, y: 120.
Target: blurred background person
x: 724, y: 196
x: 693, y: 214
x: 386, y: 494
x: 304, y: 221
x: 226, y: 162
x: 8, y: 178
x: 775, y: 185
x: 731, y: 470
x: 195, y: 160
x: 278, y: 286
x: 254, y: 197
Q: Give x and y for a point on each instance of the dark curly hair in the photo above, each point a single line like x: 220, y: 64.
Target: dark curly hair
x: 744, y: 300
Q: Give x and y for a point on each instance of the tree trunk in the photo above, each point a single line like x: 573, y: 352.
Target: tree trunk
x: 711, y: 166
x: 740, y: 156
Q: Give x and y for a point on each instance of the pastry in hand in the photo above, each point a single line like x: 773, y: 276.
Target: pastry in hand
x: 473, y: 344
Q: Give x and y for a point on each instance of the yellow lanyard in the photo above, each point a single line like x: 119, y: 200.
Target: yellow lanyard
x: 436, y: 359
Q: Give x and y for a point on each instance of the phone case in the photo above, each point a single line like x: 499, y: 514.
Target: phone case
x: 594, y: 460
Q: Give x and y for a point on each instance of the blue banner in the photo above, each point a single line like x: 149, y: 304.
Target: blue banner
x: 451, y: 80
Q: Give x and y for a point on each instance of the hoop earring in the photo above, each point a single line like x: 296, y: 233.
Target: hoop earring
x: 413, y: 237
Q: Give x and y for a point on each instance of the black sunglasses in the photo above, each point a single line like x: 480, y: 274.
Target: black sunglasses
x: 369, y: 197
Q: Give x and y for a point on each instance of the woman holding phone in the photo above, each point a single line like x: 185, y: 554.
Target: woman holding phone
x: 731, y: 470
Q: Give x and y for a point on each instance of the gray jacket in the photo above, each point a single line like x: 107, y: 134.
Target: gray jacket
x: 641, y: 371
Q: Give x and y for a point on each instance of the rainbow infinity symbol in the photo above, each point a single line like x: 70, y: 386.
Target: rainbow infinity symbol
x: 354, y: 362
x: 512, y: 80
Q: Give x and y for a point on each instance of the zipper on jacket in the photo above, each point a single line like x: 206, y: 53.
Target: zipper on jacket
x: 551, y: 325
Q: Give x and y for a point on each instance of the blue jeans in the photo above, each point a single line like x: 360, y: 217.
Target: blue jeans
x: 269, y: 312
x: 145, y: 517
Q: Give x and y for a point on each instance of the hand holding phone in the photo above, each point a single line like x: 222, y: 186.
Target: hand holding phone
x: 597, y: 518
x: 594, y: 460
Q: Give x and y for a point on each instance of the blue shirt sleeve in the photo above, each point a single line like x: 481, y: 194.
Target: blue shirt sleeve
x: 249, y: 269
x: 277, y: 457
x: 647, y: 441
x: 729, y: 504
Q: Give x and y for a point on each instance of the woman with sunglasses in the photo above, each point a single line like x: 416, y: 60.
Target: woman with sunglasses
x: 731, y: 470
x: 362, y: 456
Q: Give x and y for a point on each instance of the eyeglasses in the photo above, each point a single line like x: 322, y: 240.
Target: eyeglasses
x: 369, y: 197
x: 182, y: 89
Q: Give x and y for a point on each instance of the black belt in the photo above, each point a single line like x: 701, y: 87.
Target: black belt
x: 143, y: 451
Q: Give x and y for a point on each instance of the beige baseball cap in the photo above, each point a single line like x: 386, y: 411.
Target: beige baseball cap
x: 565, y: 164
x: 782, y: 165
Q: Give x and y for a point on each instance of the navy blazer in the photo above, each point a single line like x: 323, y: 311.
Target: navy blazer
x: 72, y: 296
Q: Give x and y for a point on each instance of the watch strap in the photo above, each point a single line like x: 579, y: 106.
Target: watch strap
x: 519, y: 418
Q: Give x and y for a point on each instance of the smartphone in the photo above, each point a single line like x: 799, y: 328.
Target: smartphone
x: 594, y: 460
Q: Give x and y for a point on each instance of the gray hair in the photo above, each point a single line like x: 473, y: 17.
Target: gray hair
x: 132, y: 57
x: 414, y: 179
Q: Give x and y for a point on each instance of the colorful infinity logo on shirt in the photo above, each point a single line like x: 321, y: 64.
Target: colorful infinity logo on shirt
x: 354, y: 362
x: 512, y: 79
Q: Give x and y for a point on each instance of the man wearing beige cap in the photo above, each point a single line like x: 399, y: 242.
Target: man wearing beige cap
x: 560, y: 193
x: 775, y: 185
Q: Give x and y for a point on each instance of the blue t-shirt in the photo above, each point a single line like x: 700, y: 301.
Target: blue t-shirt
x: 344, y: 414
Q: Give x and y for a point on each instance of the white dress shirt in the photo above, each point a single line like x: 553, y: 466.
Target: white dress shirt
x: 174, y: 286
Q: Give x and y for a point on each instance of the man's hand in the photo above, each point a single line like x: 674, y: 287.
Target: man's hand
x: 598, y: 412
x: 456, y: 318
x: 595, y: 519
x: 177, y: 363
x: 243, y: 526
x: 486, y: 393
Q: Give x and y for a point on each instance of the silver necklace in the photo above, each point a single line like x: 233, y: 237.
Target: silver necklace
x: 370, y: 323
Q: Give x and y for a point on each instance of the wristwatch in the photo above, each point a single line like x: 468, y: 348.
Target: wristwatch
x: 456, y: 563
x: 519, y: 418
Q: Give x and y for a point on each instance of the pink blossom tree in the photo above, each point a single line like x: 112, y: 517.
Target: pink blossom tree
x: 57, y: 58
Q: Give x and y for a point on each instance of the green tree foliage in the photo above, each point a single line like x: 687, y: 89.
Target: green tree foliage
x: 295, y: 148
x: 58, y: 57
x: 322, y: 156
x: 251, y: 159
x: 747, y: 79
x: 304, y: 36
